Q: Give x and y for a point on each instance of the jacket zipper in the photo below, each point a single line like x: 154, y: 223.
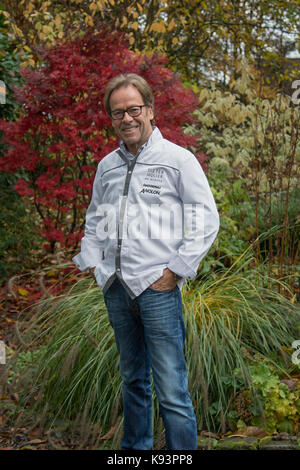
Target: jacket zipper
x: 130, y: 167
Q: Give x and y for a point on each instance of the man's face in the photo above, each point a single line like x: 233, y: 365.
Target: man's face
x: 134, y: 131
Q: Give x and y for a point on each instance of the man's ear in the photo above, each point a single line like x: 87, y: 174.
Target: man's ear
x: 151, y: 112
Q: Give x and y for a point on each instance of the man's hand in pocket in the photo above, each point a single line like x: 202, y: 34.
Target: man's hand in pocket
x: 166, y: 282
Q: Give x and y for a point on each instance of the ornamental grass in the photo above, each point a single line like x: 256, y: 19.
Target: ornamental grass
x: 233, y: 322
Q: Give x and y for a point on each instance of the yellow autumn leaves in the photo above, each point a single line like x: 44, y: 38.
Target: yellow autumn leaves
x: 40, y: 21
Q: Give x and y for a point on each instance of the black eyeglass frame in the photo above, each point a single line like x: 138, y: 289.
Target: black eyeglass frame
x: 123, y: 111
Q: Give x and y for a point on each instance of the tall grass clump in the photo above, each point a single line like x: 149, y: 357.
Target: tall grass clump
x: 232, y: 322
x: 75, y: 377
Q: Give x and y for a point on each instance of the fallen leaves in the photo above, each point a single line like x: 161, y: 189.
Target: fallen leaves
x: 30, y: 444
x: 112, y: 430
x: 21, y: 439
x: 209, y: 434
x: 23, y: 292
x: 24, y: 439
x: 249, y: 431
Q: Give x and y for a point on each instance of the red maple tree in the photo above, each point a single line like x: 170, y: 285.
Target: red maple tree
x: 64, y: 130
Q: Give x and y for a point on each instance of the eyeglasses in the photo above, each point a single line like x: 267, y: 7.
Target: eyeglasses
x: 133, y: 111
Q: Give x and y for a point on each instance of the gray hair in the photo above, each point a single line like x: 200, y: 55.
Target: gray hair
x: 125, y: 80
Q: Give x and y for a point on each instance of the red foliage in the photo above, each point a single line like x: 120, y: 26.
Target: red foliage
x: 65, y: 130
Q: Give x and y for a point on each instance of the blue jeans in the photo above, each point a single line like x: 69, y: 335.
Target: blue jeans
x: 150, y: 333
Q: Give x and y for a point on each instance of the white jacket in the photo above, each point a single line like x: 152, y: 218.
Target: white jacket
x: 148, y: 213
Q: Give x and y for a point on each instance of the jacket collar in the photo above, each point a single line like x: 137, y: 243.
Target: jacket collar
x: 154, y: 137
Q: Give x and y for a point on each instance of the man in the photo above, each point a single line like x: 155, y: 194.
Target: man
x: 151, y: 220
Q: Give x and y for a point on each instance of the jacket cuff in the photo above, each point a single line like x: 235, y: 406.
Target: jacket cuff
x: 82, y: 264
x: 178, y: 266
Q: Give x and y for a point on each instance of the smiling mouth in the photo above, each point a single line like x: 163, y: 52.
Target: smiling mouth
x: 129, y: 128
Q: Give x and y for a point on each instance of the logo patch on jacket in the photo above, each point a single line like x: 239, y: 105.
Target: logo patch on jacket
x: 151, y: 189
x: 155, y: 175
x: 153, y: 178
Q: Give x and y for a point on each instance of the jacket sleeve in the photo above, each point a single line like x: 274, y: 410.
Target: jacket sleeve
x: 91, y: 246
x: 201, y: 219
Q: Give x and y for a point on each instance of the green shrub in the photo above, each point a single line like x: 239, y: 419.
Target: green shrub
x: 272, y: 403
x: 18, y: 238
